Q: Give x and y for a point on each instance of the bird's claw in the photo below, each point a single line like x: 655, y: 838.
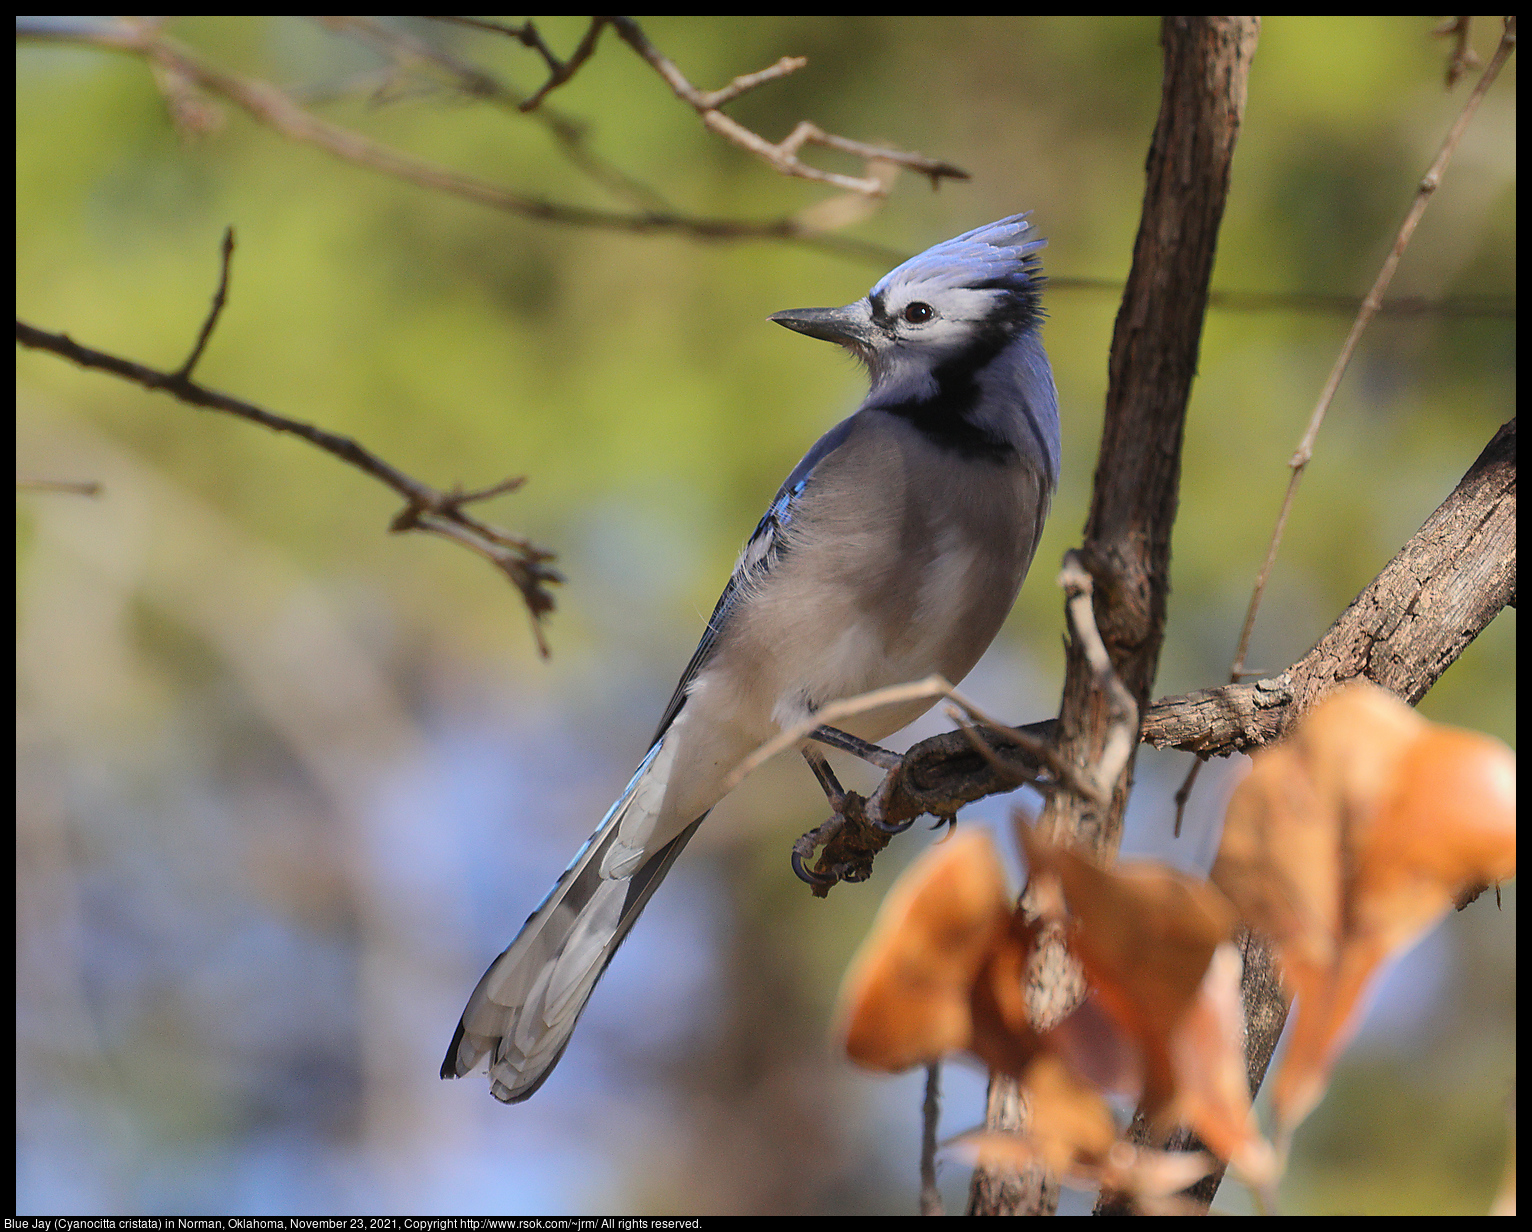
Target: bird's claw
x: 819, y: 880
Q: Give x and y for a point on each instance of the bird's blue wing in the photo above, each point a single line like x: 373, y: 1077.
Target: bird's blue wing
x: 762, y: 550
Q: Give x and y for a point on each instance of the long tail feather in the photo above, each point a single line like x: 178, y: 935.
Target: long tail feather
x: 525, y: 1008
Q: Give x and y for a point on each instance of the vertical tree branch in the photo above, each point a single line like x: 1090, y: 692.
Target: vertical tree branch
x: 1153, y: 360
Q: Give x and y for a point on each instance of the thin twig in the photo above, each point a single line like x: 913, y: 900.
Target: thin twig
x: 1305, y: 450
x: 561, y: 72
x: 439, y: 513
x: 1463, y: 58
x: 1122, y: 714
x: 1458, y: 307
x: 931, y: 687
x: 411, y: 54
x: 1184, y: 793
x: 220, y: 296
x: 270, y: 106
x: 930, y: 1115
x: 782, y: 155
x: 1466, y: 307
x: 73, y: 487
x: 1007, y: 772
x: 1064, y: 774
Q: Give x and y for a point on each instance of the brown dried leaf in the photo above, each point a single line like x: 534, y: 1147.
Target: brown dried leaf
x: 1284, y: 852
x: 1145, y: 934
x: 1207, y: 1051
x: 1093, y: 1046
x: 1346, y: 843
x: 1003, y: 1035
x: 1072, y: 1134
x: 907, y: 998
x: 1449, y: 823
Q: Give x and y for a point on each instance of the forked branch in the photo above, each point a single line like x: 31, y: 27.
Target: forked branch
x: 428, y: 509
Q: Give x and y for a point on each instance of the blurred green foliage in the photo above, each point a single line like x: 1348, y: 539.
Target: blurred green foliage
x: 635, y: 380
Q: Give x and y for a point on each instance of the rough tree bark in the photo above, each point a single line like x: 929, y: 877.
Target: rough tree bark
x: 1133, y: 506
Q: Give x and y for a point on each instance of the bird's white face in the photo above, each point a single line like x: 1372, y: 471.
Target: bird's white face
x: 960, y: 302
x: 913, y: 327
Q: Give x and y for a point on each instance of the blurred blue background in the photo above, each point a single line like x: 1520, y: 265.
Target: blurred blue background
x: 287, y: 783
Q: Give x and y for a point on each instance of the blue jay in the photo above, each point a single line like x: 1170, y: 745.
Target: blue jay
x: 894, y: 550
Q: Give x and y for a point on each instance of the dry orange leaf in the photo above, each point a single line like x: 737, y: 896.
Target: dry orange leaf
x: 944, y: 967
x: 1073, y: 1134
x: 1145, y: 934
x: 1155, y: 946
x: 907, y: 998
x: 1207, y: 1054
x: 1348, y: 841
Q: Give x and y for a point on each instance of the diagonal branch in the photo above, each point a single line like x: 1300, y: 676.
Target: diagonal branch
x: 1407, y: 627
x: 1370, y: 305
x: 438, y: 513
x: 782, y: 155
x: 274, y: 108
x: 410, y: 54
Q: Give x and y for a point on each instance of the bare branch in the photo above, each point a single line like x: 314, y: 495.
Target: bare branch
x: 746, y: 82
x: 1370, y: 304
x: 1409, y: 624
x: 559, y: 71
x: 1403, y: 631
x: 527, y: 35
x: 656, y: 214
x: 72, y: 487
x: 930, y: 1112
x: 412, y: 55
x: 937, y: 777
x: 219, y: 297
x: 784, y: 154
x: 272, y: 107
x: 439, y: 513
x: 1463, y: 58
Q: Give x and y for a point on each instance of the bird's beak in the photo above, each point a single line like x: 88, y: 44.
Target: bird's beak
x: 848, y: 326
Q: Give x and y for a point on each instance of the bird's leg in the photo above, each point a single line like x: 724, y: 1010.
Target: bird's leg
x: 857, y: 747
x: 820, y: 765
x: 803, y: 849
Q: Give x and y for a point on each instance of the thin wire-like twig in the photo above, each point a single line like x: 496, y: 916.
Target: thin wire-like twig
x: 73, y: 487
x: 1463, y: 58
x: 1371, y: 305
x: 782, y: 155
x: 560, y: 72
x: 271, y: 106
x: 1300, y: 459
x: 439, y: 513
x: 1064, y: 774
x: 419, y: 58
x: 220, y: 297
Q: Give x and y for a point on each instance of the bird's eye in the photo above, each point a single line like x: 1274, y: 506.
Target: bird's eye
x: 918, y: 313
